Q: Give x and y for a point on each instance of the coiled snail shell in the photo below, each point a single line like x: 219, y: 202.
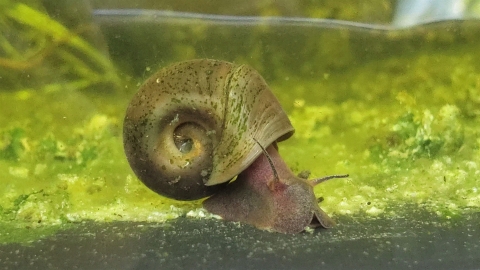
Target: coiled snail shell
x: 195, y: 125
x: 192, y: 126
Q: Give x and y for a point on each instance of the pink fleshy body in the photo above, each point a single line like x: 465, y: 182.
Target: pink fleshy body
x: 256, y: 197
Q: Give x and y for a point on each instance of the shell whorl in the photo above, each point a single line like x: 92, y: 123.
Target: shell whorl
x: 192, y: 126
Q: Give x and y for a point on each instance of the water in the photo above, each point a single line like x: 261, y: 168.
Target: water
x: 397, y: 109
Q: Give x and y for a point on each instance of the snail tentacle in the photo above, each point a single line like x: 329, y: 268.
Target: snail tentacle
x: 317, y: 181
x: 275, y: 174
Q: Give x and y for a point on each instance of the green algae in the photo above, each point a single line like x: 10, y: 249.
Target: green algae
x: 421, y: 167
x: 404, y: 127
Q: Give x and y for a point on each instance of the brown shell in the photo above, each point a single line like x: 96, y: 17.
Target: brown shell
x: 219, y: 107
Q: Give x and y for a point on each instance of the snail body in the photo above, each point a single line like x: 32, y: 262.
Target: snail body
x: 286, y: 204
x: 195, y: 125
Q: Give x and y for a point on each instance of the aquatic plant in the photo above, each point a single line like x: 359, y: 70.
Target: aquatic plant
x: 37, y: 52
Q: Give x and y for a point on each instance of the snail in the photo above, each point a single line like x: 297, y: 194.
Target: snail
x: 196, y: 125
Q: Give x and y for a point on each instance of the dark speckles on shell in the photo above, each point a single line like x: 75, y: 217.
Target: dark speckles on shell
x: 227, y: 106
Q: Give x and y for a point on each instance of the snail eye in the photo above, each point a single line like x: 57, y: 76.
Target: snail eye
x: 184, y: 144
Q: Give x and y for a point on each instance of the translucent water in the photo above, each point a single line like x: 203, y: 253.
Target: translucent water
x: 396, y: 109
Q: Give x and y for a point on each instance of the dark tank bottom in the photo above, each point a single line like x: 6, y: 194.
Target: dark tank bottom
x: 418, y: 241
